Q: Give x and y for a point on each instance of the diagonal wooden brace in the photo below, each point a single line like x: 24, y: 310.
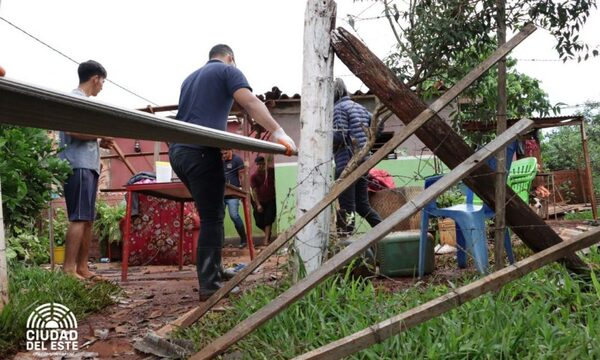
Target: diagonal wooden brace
x: 341, y: 185
x: 417, y: 315
x: 438, y: 136
x: 359, y: 245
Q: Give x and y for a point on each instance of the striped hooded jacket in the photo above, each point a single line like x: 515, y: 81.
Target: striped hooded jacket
x: 349, y: 136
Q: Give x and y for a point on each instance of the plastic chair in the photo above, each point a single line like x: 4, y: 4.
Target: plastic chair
x: 470, y: 224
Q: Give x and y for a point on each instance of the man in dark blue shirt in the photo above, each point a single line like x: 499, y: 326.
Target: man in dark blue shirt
x: 234, y: 168
x: 206, y: 99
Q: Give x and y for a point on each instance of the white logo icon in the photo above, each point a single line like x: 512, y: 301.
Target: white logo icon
x: 52, y: 327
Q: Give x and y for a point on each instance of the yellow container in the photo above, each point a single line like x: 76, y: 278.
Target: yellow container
x: 447, y: 232
x: 59, y: 254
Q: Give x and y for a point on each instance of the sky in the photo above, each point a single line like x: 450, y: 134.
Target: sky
x: 149, y: 46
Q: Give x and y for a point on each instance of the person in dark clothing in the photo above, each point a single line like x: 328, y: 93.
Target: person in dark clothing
x: 349, y: 122
x: 262, y: 186
x: 206, y: 98
x: 234, y: 168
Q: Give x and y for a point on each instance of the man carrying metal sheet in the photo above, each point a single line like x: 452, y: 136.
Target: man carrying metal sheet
x: 206, y: 99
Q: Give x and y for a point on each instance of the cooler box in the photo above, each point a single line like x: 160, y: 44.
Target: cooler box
x: 398, y: 254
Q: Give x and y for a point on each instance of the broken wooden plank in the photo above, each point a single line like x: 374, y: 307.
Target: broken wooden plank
x: 28, y: 105
x: 358, y: 245
x: 440, y: 138
x: 362, y: 169
x: 417, y: 315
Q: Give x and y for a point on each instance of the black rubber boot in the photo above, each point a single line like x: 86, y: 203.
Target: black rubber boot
x: 208, y: 266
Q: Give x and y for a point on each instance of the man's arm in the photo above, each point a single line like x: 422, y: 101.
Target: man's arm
x: 261, y: 114
x: 105, y: 142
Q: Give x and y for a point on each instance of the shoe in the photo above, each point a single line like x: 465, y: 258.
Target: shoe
x: 230, y: 272
x: 205, y: 294
x: 242, y: 245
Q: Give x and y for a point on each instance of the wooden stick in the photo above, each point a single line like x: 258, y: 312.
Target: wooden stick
x: 344, y: 183
x: 417, y: 315
x: 446, y: 144
x: 359, y: 245
x: 117, y: 149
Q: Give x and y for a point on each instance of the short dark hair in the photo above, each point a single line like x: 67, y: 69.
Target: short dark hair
x: 220, y: 50
x: 259, y: 159
x: 90, y: 68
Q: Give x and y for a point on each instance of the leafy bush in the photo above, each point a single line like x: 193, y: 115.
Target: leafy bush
x: 29, y: 171
x: 106, y: 225
x: 25, y: 245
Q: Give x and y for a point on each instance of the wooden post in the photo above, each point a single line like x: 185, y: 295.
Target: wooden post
x: 358, y: 245
x: 588, y: 170
x: 3, y: 263
x: 316, y: 119
x: 343, y: 184
x: 499, y: 222
x: 438, y: 136
x: 417, y: 315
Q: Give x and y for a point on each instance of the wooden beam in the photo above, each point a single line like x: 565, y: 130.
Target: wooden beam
x: 446, y: 144
x: 417, y: 315
x: 344, y: 183
x: 117, y: 149
x: 28, y: 105
x: 358, y: 245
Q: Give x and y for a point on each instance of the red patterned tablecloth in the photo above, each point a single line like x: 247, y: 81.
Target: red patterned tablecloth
x: 155, y: 232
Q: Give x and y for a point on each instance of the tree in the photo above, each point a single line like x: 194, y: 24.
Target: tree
x: 431, y: 34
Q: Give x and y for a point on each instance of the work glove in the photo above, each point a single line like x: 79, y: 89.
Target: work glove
x: 282, y: 138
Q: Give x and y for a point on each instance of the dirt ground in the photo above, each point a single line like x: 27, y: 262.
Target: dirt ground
x: 156, y: 295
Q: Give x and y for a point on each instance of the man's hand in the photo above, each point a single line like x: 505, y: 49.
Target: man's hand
x: 282, y: 138
x: 107, y: 142
x: 259, y: 208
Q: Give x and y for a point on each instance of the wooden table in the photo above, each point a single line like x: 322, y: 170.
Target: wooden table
x: 177, y: 191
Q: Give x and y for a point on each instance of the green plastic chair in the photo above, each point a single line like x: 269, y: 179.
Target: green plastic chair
x: 521, y: 175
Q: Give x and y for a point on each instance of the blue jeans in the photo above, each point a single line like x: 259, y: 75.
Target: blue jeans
x: 233, y: 206
x: 201, y: 170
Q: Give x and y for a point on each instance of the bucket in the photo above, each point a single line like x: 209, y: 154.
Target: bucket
x: 398, y: 254
x: 163, y: 171
x: 59, y: 254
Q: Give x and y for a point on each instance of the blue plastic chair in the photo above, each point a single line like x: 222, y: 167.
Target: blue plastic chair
x: 470, y: 224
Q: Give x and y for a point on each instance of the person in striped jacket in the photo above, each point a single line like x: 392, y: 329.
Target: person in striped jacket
x: 349, y: 122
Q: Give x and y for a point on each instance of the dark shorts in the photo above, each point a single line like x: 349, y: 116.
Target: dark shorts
x: 80, y: 195
x: 267, y: 216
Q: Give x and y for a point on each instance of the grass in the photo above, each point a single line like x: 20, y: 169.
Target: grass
x: 580, y: 215
x: 31, y: 286
x: 545, y: 315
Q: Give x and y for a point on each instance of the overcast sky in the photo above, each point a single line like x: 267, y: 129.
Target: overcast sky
x: 150, y: 46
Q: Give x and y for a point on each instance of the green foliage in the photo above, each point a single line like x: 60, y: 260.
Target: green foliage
x: 31, y: 287
x: 60, y: 226
x: 29, y: 170
x: 579, y: 215
x: 106, y: 225
x: 536, y: 317
x: 431, y: 34
x: 26, y: 246
x: 562, y: 148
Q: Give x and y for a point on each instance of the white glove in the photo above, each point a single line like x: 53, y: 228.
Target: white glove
x: 282, y: 138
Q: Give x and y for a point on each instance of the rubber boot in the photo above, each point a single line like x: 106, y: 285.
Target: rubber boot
x: 210, y: 270
x: 208, y: 266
